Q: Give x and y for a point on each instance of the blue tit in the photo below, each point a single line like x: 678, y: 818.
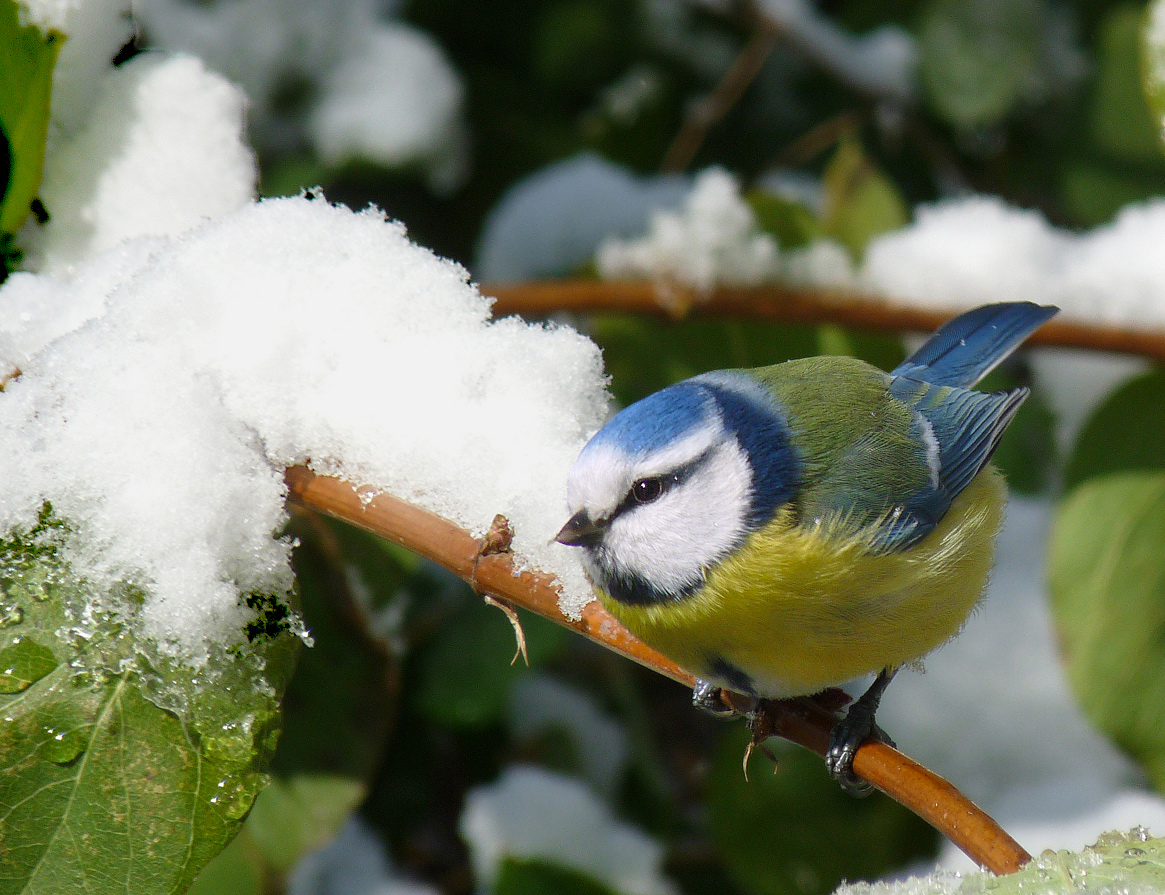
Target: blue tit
x: 780, y: 530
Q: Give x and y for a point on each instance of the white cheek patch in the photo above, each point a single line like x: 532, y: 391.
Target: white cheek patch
x: 670, y: 542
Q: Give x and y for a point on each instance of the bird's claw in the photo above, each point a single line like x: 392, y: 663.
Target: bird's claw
x: 706, y: 697
x: 844, y: 740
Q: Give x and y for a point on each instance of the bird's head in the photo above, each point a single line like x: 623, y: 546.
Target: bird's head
x: 674, y: 483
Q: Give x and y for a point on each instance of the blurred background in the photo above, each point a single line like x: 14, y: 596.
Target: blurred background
x: 515, y: 136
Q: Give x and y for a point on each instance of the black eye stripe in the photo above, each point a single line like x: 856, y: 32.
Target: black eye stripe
x: 666, y: 481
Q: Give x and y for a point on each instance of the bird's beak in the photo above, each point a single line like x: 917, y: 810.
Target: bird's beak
x: 580, y: 531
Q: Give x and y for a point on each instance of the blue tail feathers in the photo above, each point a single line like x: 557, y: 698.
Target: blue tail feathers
x: 966, y: 349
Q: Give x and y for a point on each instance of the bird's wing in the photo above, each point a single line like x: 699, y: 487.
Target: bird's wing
x: 964, y: 350
x: 902, y: 483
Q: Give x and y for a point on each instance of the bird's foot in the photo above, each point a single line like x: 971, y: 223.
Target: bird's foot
x: 707, y: 697
x: 847, y: 735
x: 850, y: 732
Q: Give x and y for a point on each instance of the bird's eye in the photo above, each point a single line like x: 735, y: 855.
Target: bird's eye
x: 647, y: 490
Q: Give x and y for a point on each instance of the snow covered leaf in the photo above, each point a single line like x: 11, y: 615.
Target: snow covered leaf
x: 117, y: 773
x: 1153, y: 61
x: 796, y: 831
x: 1106, y: 571
x: 26, y: 78
x: 1124, y: 433
x: 1118, y: 862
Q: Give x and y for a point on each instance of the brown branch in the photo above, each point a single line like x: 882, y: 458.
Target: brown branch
x: 789, y: 304
x: 711, y: 110
x: 801, y: 721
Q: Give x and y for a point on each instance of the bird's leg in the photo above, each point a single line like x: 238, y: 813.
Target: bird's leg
x: 853, y: 730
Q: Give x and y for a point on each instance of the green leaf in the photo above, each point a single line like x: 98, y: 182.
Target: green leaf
x: 1124, y: 433
x: 27, y: 58
x: 290, y: 819
x: 1106, y: 572
x: 976, y: 57
x: 1120, y: 121
x: 120, y: 771
x: 517, y: 876
x: 1153, y: 63
x: 794, y: 832
x: 860, y: 201
x: 791, y: 223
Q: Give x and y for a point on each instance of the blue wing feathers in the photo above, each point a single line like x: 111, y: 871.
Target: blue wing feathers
x: 966, y: 349
x: 964, y: 425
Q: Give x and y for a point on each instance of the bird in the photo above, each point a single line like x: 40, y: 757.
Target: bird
x: 782, y: 530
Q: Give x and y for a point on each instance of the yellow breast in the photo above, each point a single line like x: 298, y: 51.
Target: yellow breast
x: 799, y: 609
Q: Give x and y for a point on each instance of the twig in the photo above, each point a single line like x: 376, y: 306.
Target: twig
x: 790, y: 304
x: 711, y: 110
x: 801, y: 721
x: 818, y: 139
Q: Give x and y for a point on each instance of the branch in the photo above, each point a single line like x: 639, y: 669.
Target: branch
x: 801, y: 720
x: 710, y: 111
x: 789, y: 304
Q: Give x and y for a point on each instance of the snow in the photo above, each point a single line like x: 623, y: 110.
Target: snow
x: 161, y: 127
x: 289, y: 331
x: 533, y: 813
x: 395, y: 100
x: 965, y: 252
x: 713, y: 240
x: 881, y: 62
x: 366, y: 87
x: 526, y: 236
x: 958, y: 254
x: 96, y: 30
x: 354, y: 863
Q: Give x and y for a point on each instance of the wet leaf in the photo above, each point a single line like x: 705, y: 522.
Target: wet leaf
x: 290, y: 819
x: 118, y: 772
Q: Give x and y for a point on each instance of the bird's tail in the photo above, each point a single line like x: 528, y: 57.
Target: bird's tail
x: 966, y: 349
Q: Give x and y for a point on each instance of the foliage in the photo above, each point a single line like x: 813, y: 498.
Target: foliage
x: 1107, y: 578
x: 794, y: 830
x: 118, y: 769
x: 26, y: 77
